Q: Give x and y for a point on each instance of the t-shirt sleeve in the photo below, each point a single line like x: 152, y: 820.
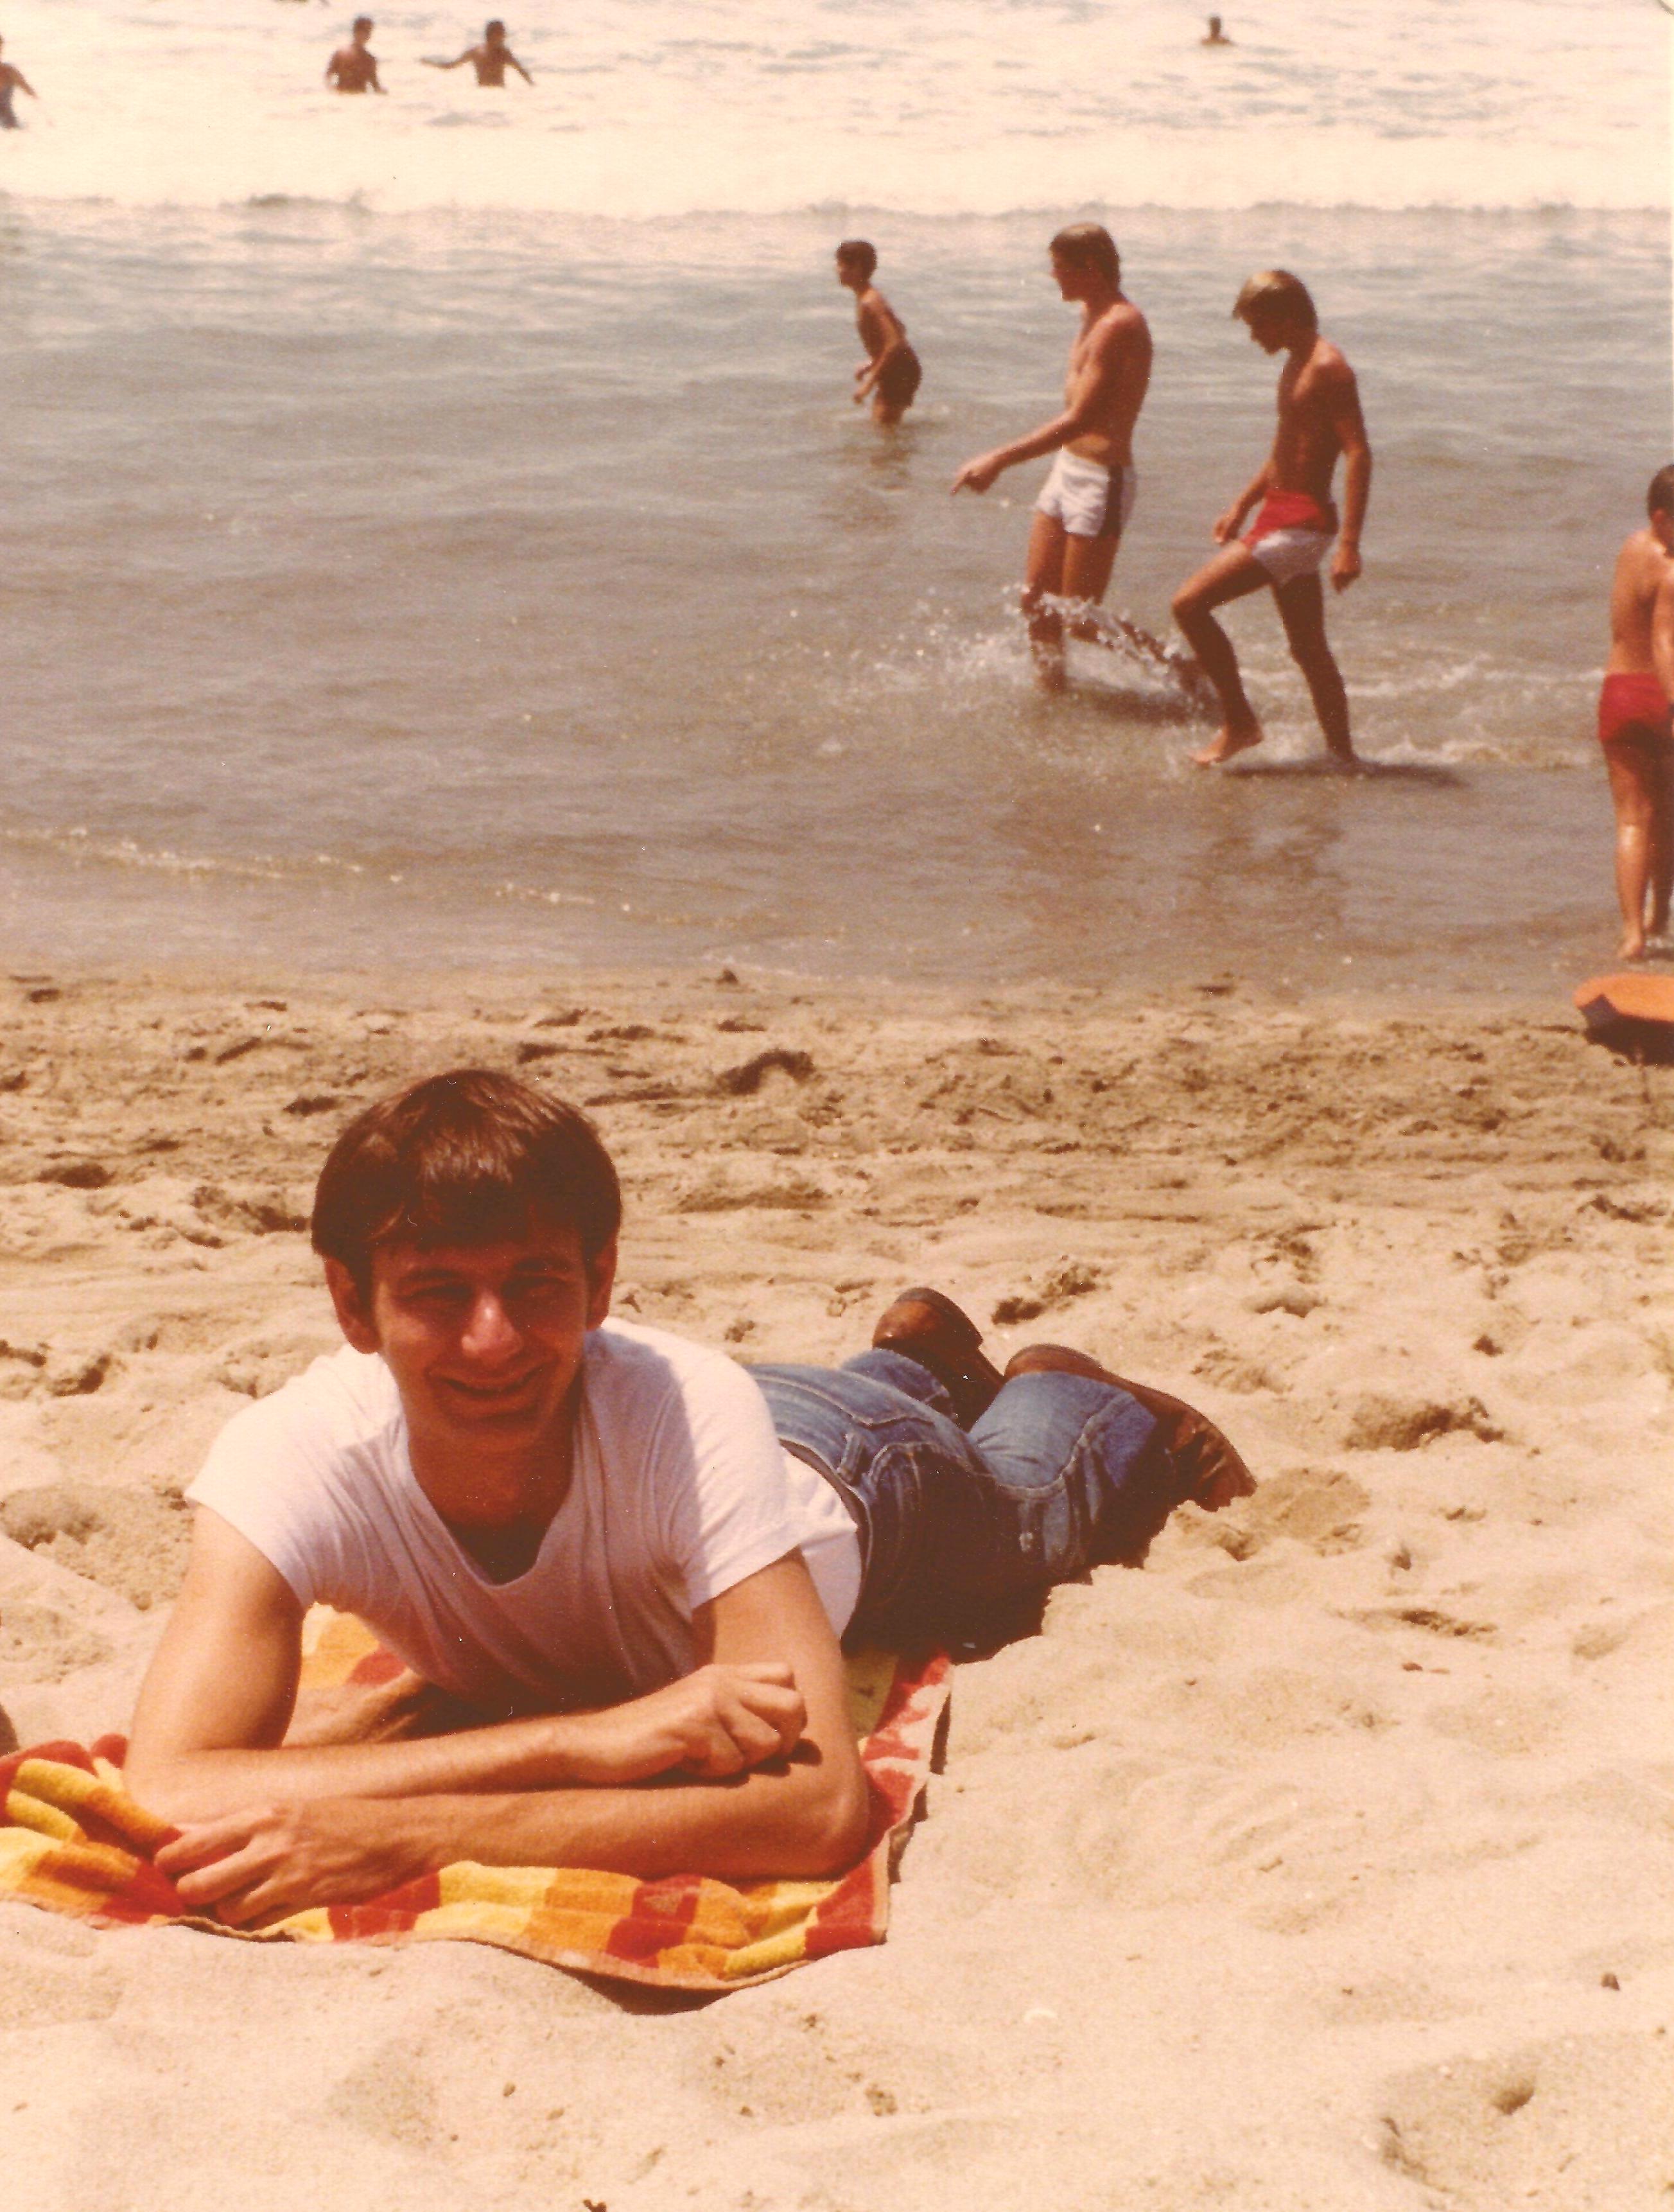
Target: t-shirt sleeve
x: 725, y: 1507
x: 267, y: 1475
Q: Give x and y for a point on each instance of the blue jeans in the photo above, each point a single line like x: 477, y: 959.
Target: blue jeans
x: 1061, y: 1473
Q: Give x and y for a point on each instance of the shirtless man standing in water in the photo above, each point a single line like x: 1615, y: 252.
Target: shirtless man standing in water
x: 354, y: 67
x: 490, y: 60
x: 12, y: 80
x: 1634, y: 721
x: 1320, y: 417
x: 1088, y: 497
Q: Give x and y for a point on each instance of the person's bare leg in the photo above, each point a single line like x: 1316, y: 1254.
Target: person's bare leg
x: 1043, y: 579
x: 1088, y: 564
x: 1302, y: 609
x: 1662, y: 840
x: 885, y: 414
x: 1633, y: 768
x: 1234, y: 574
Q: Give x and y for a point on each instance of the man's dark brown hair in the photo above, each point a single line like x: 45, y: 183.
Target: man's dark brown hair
x: 858, y: 254
x: 463, y: 1158
x: 1090, y: 245
x: 1274, y: 296
x: 1659, y: 500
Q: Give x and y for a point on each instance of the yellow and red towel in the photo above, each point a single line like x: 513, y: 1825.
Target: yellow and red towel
x: 72, y: 1840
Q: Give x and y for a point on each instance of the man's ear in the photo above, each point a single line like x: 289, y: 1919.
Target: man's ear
x: 353, y: 1317
x: 601, y: 1281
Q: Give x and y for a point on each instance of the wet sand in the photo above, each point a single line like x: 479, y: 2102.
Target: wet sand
x: 1324, y: 1863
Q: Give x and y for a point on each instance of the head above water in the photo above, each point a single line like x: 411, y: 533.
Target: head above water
x: 1660, y: 499
x: 361, y: 27
x: 1089, y: 245
x: 1274, y: 302
x: 493, y: 34
x: 473, y: 1156
x: 857, y: 257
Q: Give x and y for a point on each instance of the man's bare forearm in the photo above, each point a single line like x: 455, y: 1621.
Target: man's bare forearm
x: 1047, y: 440
x: 541, y: 1752
x: 1255, y: 490
x: 1356, y: 493
x: 789, y: 1821
x: 1662, y: 639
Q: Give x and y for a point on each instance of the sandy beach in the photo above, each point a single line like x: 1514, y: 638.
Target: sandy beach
x: 1324, y: 1863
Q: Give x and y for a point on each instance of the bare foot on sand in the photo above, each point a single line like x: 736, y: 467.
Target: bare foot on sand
x: 1230, y: 739
x: 1633, y: 945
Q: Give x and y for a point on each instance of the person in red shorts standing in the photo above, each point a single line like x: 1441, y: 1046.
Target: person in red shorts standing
x: 1295, y: 521
x: 1634, y: 726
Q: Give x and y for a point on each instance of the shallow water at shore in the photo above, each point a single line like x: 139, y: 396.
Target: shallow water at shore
x: 458, y: 592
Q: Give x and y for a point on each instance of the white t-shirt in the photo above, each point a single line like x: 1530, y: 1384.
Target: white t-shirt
x: 679, y: 1490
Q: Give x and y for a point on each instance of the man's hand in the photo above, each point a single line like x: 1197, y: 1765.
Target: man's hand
x: 978, y: 475
x: 1227, y: 525
x: 1345, y: 564
x: 259, y: 1865
x: 721, y: 1720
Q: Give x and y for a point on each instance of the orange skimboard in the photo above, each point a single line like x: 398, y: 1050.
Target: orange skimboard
x: 1630, y: 1013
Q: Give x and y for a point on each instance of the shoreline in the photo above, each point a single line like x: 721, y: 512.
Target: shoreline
x: 1267, y: 1872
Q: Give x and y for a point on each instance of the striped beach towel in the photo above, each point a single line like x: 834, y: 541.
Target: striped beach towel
x: 73, y: 1841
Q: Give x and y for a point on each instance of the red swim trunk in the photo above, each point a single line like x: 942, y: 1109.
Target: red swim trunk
x: 1290, y: 510
x: 1633, y: 707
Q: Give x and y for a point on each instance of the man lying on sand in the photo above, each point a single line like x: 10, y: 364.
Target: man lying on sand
x: 490, y: 60
x: 631, y: 1559
x: 1320, y: 417
x: 1088, y: 493
x: 354, y: 67
x: 1634, y: 721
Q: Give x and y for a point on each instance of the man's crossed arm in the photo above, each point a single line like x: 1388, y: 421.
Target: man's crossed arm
x: 748, y: 1766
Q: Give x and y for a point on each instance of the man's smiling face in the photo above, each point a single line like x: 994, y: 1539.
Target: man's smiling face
x: 485, y: 1342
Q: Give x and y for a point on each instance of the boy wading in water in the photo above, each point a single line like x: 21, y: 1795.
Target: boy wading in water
x: 12, y: 82
x: 1295, y: 521
x: 1088, y: 493
x: 354, y: 67
x: 890, y: 374
x: 1633, y: 720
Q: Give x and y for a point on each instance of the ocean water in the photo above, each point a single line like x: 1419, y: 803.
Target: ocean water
x: 437, y: 532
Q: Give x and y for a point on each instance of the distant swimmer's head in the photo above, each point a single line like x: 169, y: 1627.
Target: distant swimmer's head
x: 857, y: 260
x: 1660, y: 499
x: 1278, y: 308
x: 361, y: 27
x: 495, y: 33
x: 1083, y: 250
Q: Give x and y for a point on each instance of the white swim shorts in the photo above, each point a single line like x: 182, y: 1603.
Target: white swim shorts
x: 1088, y: 498
x: 1292, y: 534
x: 1287, y: 554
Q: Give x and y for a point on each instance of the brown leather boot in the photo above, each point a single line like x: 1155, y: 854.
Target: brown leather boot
x: 1212, y: 1473
x: 930, y: 1328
